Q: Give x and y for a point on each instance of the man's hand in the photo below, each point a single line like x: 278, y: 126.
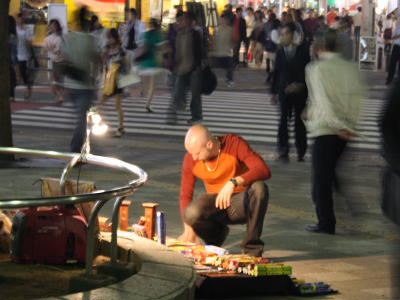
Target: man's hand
x: 294, y: 88
x: 189, y: 235
x: 345, y: 134
x: 223, y: 200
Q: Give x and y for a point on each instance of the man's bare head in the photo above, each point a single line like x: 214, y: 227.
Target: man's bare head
x: 199, y: 142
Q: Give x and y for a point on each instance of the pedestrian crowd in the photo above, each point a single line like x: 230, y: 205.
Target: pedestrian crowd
x: 308, y: 63
x: 309, y: 66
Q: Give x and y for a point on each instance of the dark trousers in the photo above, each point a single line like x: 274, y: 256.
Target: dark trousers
x: 325, y: 155
x: 25, y: 73
x: 248, y: 207
x: 288, y: 105
x: 13, y: 81
x: 394, y: 62
x: 194, y: 81
x: 357, y: 34
x: 236, y: 52
x: 82, y: 100
x: 226, y: 63
x: 246, y: 51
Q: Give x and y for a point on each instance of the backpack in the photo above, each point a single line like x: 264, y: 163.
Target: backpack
x: 209, y: 81
x: 269, y: 45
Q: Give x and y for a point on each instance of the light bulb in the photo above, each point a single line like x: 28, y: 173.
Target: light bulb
x: 99, y: 129
x: 96, y: 118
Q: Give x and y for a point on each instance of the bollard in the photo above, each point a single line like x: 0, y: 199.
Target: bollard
x: 150, y: 215
x: 124, y: 215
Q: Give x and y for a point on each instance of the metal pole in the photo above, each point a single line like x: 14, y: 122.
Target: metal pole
x: 90, y: 236
x: 114, y: 228
x: 66, y: 172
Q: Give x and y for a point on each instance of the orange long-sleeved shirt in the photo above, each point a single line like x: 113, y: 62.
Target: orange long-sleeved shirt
x: 236, y: 159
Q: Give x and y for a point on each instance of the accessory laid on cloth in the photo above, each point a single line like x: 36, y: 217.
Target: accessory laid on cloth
x: 209, y: 81
x: 110, y: 81
x: 391, y: 195
x: 125, y: 80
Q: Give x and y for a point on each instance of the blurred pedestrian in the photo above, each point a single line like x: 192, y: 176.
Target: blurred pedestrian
x: 311, y: 24
x: 271, y: 46
x: 83, y: 58
x: 132, y: 35
x: 114, y: 57
x: 344, y: 41
x: 150, y: 65
x: 321, y: 25
x: 271, y: 31
x: 333, y: 113
x: 258, y: 39
x: 12, y: 43
x: 98, y: 31
x: 24, y: 54
x: 357, y: 22
x: 285, y: 18
x: 388, y: 25
x: 395, y: 55
x: 172, y: 34
x: 390, y: 129
x: 300, y: 33
x: 249, y: 29
x: 288, y: 83
x: 53, y: 45
x: 331, y: 16
x: 228, y: 9
x: 239, y: 34
x: 189, y: 55
x: 222, y: 45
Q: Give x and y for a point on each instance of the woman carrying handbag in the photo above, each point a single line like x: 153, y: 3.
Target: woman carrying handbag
x: 115, y: 60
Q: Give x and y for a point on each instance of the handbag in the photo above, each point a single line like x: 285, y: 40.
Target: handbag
x: 70, y: 70
x: 391, y: 195
x: 270, y: 46
x: 125, y: 80
x: 209, y: 81
x: 110, y: 81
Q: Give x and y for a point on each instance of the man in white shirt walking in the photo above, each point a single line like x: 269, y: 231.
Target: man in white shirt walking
x: 133, y: 33
x: 335, y: 101
x: 395, y: 55
x: 357, y: 21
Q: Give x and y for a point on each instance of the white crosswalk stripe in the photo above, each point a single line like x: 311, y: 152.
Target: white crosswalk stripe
x: 249, y: 114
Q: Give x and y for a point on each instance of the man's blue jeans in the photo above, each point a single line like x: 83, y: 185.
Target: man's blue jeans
x: 194, y: 81
x: 82, y: 100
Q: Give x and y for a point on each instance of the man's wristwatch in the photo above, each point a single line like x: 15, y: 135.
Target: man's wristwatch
x: 234, y: 181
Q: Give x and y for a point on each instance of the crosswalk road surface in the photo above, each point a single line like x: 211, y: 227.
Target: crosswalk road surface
x: 249, y: 114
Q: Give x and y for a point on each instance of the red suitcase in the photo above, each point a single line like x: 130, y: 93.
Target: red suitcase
x: 49, y: 235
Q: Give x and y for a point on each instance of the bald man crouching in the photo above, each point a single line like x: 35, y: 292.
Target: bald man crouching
x: 233, y: 175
